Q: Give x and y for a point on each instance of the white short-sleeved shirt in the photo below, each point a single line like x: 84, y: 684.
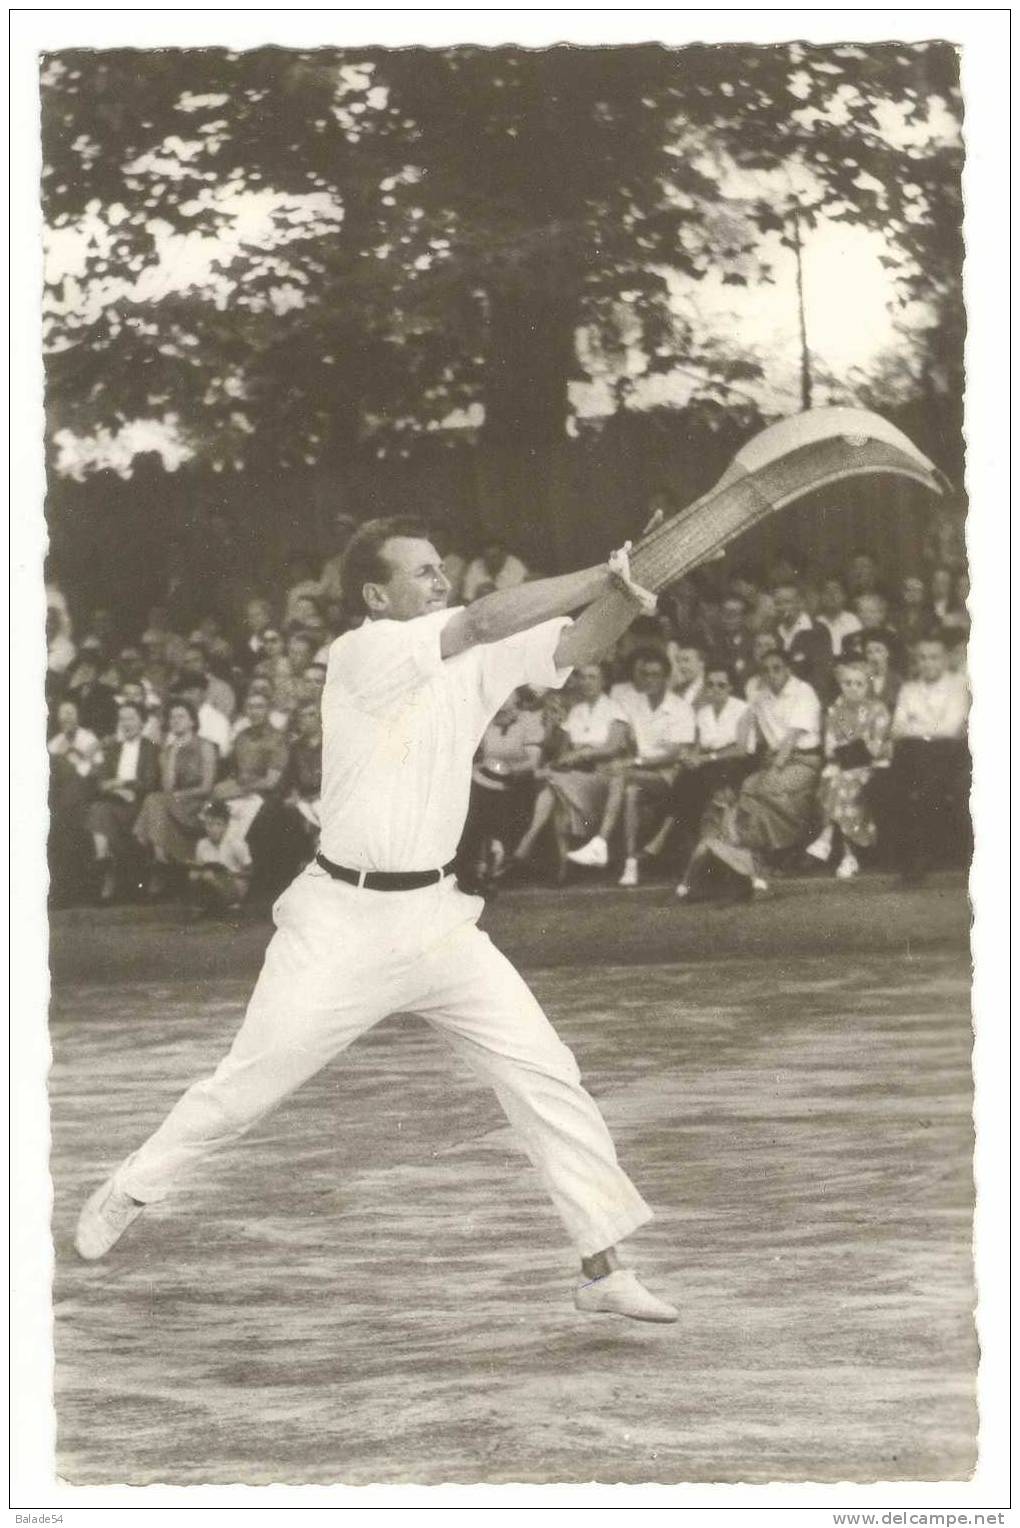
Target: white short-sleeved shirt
x: 588, y: 725
x: 722, y: 729
x: 400, y: 730
x: 933, y: 710
x: 796, y: 707
x: 658, y: 730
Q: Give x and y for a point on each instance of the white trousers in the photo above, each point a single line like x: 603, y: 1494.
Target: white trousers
x: 341, y: 960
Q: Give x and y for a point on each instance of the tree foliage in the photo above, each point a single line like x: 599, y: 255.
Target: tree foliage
x: 400, y: 233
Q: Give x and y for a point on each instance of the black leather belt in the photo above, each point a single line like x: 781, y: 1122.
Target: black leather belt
x: 384, y: 880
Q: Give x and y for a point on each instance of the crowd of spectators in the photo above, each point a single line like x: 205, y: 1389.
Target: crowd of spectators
x: 753, y: 722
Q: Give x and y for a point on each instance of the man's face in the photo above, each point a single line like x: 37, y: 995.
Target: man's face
x: 653, y: 675
x: 416, y: 584
x: 134, y: 692
x: 877, y: 655
x: 733, y: 612
x: 913, y: 592
x: 67, y: 717
x: 717, y: 686
x: 299, y: 652
x: 130, y: 721
x: 764, y: 643
x: 931, y: 660
x: 308, y: 721
x: 872, y: 609
x: 589, y: 682
x: 775, y: 672
x: 787, y: 603
x: 853, y: 683
x: 194, y: 665
x: 256, y: 709
x: 688, y: 664
x: 832, y: 597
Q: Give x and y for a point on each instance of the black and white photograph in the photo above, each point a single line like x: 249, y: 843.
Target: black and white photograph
x: 500, y: 713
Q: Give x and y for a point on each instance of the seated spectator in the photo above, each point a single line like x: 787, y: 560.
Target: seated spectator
x: 958, y: 615
x: 75, y: 758
x: 573, y: 786
x: 862, y: 576
x: 873, y: 611
x: 258, y: 619
x: 302, y: 585
x: 128, y: 772
x: 211, y: 638
x: 136, y: 693
x: 723, y: 754
x: 220, y: 874
x: 308, y: 618
x: 687, y: 672
x: 857, y: 741
x: 161, y: 642
x: 215, y: 692
x: 254, y: 790
x: 167, y: 826
x: 75, y: 746
x: 735, y: 640
x: 945, y: 600
x: 290, y: 670
x: 914, y: 616
x: 60, y: 650
x: 301, y: 786
x: 878, y: 647
x: 833, y: 614
x: 956, y: 650
x: 807, y: 645
x: 131, y: 671
x: 502, y: 791
x: 96, y: 700
x: 213, y: 726
x: 662, y: 728
x: 765, y: 643
x: 929, y: 780
x: 773, y: 811
x: 496, y: 568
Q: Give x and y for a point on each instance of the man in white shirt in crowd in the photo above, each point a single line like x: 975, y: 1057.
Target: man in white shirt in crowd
x: 687, y: 672
x: 833, y: 614
x: 662, y: 725
x: 377, y: 924
x: 808, y: 646
x: 929, y: 779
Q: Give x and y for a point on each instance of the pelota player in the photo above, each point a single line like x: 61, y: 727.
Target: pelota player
x: 378, y: 925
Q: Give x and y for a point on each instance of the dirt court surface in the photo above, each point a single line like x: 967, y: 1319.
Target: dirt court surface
x: 372, y: 1287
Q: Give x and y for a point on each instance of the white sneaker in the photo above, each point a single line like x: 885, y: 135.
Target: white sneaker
x: 821, y: 848
x: 630, y: 873
x: 757, y: 884
x: 595, y: 853
x: 104, y: 1220
x: 621, y: 1293
x: 847, y: 868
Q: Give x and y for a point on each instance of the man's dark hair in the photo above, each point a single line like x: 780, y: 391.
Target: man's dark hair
x: 649, y: 655
x: 363, y: 560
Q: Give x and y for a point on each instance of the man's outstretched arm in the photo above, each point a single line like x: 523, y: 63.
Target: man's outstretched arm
x: 610, y: 607
x: 508, y: 611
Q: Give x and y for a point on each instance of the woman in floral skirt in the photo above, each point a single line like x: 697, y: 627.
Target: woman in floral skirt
x: 857, y: 741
